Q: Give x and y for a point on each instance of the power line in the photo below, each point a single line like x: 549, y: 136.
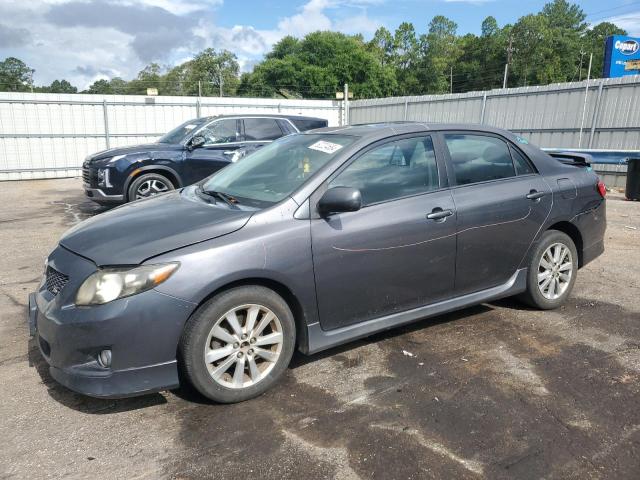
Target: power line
x: 611, y: 9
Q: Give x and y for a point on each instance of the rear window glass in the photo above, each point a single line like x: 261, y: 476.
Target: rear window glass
x: 523, y: 167
x: 261, y: 129
x: 308, y: 124
x: 479, y: 158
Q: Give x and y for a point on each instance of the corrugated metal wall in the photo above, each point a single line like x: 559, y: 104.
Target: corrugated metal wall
x: 49, y: 135
x: 549, y: 116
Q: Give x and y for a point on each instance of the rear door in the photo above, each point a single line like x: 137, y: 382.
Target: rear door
x: 502, y: 203
x: 222, y: 139
x: 388, y: 256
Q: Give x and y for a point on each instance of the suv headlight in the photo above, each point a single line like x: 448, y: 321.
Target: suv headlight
x: 103, y: 178
x: 110, y: 284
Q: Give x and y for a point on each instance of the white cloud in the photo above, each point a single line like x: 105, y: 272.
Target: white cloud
x: 475, y: 2
x: 311, y: 18
x: 629, y: 21
x: 84, y: 40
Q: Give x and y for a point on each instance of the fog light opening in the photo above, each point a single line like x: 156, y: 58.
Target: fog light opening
x: 104, y: 358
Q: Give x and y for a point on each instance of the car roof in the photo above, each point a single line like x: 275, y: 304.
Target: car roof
x: 372, y: 131
x: 266, y: 115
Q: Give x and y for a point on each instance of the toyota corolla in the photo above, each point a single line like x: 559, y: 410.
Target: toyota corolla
x: 315, y: 240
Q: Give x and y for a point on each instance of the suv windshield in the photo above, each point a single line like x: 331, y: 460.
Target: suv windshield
x: 277, y: 170
x: 179, y: 133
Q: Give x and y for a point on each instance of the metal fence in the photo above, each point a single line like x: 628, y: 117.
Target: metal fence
x: 49, y: 135
x: 602, y: 113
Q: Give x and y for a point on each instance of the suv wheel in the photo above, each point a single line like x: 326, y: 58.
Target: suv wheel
x: 148, y: 185
x: 238, y: 344
x: 552, y: 271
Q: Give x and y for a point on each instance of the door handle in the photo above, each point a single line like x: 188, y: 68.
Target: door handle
x: 439, y: 214
x: 535, y: 195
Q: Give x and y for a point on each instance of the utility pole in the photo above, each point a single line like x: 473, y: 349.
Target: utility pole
x: 509, y: 57
x: 199, y: 88
x: 220, y: 79
x: 346, y: 104
x: 584, y: 106
x: 31, y: 72
x: 582, y: 52
x: 451, y: 80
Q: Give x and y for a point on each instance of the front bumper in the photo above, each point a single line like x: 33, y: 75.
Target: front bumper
x: 142, y: 332
x: 98, y: 195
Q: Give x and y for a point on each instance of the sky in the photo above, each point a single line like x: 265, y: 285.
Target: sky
x: 85, y: 40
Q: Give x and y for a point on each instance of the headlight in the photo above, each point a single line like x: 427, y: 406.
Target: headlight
x: 103, y: 178
x: 112, y: 283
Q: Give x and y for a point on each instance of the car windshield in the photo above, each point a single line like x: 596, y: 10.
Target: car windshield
x: 179, y: 133
x: 277, y: 170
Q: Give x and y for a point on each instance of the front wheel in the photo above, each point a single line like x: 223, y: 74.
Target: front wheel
x: 148, y: 185
x: 238, y: 344
x: 552, y: 271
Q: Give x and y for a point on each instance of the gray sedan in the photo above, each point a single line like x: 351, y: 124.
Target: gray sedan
x: 313, y: 241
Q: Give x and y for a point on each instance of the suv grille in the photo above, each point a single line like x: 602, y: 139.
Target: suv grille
x: 55, y: 281
x: 89, y: 177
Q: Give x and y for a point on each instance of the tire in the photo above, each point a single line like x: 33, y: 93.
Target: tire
x: 241, y: 368
x: 157, y: 184
x: 545, y: 295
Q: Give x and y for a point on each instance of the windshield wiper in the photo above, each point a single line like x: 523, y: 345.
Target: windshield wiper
x: 225, y: 197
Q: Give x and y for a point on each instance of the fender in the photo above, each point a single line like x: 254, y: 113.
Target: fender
x: 138, y: 171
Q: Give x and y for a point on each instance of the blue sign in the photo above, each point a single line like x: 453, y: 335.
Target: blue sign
x: 621, y: 56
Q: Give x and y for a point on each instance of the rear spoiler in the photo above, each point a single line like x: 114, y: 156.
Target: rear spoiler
x: 577, y: 159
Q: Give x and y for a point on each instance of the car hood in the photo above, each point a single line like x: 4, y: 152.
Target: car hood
x: 134, y: 232
x: 133, y: 149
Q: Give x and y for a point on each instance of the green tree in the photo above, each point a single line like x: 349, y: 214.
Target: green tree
x: 383, y: 46
x: 317, y: 66
x: 440, y: 50
x: 101, y: 86
x: 15, y: 75
x: 489, y: 27
x: 216, y: 71
x: 61, y: 86
x: 406, y: 55
x: 149, y: 77
x: 593, y: 41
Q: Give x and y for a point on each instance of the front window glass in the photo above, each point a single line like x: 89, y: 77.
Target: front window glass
x: 278, y: 169
x: 181, y: 132
x: 394, y: 170
x: 220, y: 131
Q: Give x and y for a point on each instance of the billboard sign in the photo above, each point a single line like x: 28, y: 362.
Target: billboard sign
x: 621, y: 56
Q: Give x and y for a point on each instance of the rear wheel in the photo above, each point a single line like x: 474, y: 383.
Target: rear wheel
x: 552, y: 271
x: 148, y: 185
x: 238, y: 344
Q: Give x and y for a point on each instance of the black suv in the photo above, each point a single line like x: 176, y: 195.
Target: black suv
x: 185, y: 155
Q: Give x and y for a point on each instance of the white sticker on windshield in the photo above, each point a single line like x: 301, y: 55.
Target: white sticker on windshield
x: 189, y: 127
x: 326, y: 147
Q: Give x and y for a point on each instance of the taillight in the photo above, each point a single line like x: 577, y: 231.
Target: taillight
x: 602, y: 188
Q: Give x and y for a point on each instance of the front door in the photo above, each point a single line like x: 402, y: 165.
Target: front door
x: 501, y: 203
x: 389, y: 256
x: 222, y: 139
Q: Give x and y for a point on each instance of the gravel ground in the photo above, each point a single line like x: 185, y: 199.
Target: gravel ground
x: 494, y: 391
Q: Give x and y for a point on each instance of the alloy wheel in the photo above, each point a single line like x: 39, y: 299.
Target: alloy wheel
x: 554, y: 271
x: 149, y: 188
x: 243, y: 346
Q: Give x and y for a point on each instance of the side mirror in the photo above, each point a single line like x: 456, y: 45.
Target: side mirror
x: 196, y: 142
x: 338, y: 200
